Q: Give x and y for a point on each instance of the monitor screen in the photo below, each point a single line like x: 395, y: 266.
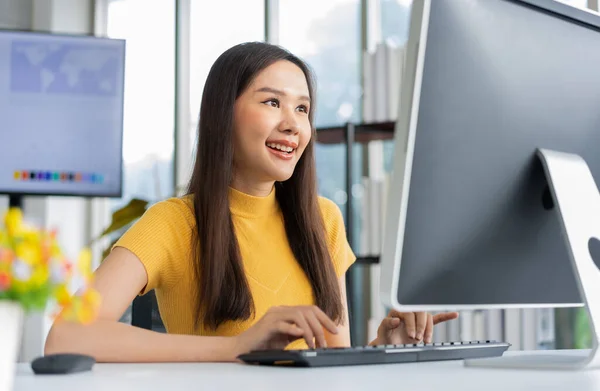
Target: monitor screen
x: 61, y: 114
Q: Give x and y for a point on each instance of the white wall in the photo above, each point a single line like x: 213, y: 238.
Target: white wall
x: 16, y: 14
x: 64, y: 16
x: 71, y: 216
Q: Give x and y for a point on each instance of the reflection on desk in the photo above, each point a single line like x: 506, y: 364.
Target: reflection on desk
x: 240, y: 377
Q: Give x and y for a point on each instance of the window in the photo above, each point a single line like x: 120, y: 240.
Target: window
x: 395, y: 20
x: 214, y: 28
x: 326, y: 34
x: 148, y: 139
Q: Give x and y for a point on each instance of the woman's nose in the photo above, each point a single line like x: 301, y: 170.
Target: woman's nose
x: 289, y: 123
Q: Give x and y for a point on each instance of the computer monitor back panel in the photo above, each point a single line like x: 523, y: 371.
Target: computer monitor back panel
x: 498, y: 79
x: 61, y: 114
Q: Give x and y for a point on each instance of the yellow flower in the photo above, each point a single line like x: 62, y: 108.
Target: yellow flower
x: 86, y: 315
x: 63, y: 298
x: 39, y: 276
x: 13, y: 221
x: 31, y: 237
x: 31, y: 259
x: 82, y: 309
x: 3, y: 239
x: 54, y: 249
x: 85, y: 263
x: 91, y: 298
x: 28, y: 253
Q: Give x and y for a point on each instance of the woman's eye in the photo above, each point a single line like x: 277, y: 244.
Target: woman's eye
x: 303, y: 109
x: 272, y: 102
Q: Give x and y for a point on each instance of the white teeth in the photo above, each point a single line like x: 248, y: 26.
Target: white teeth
x: 280, y: 147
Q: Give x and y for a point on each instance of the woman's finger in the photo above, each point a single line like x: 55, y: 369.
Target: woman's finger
x: 445, y: 316
x: 390, y: 323
x: 409, y: 320
x: 429, y: 329
x: 324, y: 320
x: 421, y: 324
x: 284, y: 327
x: 296, y: 316
x: 317, y: 328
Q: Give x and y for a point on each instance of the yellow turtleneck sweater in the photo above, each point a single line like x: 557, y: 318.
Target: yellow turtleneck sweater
x: 162, y: 240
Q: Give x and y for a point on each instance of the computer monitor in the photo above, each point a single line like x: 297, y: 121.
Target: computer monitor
x: 472, y: 218
x: 61, y: 114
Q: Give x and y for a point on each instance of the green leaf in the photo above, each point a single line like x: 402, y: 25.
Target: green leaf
x: 126, y: 215
x: 30, y: 300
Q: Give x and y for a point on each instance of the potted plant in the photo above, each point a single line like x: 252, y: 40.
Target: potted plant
x: 34, y: 274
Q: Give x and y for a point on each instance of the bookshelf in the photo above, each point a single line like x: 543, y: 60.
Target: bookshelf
x: 349, y: 134
x: 363, y: 133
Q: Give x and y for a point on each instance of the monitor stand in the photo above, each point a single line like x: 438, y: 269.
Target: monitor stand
x: 15, y: 201
x: 578, y: 204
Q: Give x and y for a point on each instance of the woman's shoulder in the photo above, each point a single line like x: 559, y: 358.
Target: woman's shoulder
x: 162, y: 240
x: 173, y: 209
x: 332, y: 216
x: 330, y: 210
x: 341, y: 253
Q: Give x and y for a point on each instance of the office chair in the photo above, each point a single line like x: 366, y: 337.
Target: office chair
x: 145, y: 313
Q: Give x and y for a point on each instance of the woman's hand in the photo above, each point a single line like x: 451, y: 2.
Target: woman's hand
x: 282, y: 325
x: 409, y: 327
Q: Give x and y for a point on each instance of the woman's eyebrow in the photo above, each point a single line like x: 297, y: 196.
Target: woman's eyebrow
x: 280, y: 93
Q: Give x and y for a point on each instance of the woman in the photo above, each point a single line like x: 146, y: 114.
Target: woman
x: 251, y: 258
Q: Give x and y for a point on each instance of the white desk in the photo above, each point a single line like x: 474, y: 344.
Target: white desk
x: 239, y: 377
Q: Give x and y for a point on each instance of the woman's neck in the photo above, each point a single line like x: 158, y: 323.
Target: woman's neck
x: 257, y: 189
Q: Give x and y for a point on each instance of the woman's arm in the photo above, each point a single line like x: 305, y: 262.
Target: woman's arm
x: 342, y: 338
x: 118, y: 280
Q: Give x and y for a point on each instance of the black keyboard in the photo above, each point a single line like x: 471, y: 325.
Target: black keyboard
x: 386, y: 354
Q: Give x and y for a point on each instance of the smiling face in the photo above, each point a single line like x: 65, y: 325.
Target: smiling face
x: 271, y: 127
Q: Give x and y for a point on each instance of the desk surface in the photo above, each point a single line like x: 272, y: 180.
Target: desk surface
x: 448, y: 375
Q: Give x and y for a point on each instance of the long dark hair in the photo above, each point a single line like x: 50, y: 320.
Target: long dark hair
x: 223, y: 292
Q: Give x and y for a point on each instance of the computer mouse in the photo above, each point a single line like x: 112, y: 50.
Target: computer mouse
x: 62, y: 363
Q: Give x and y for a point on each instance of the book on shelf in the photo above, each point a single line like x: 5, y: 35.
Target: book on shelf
x: 372, y: 220
x: 372, y: 215
x: 382, y: 79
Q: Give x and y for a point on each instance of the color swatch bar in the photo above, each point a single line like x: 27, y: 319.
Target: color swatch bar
x: 55, y: 176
